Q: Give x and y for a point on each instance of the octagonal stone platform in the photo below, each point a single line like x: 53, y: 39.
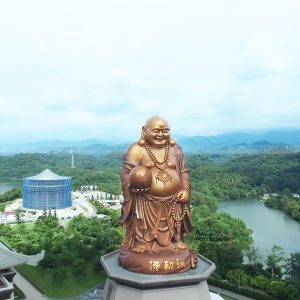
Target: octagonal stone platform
x: 123, y: 284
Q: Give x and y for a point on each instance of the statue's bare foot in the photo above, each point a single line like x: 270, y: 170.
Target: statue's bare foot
x: 180, y: 246
x: 139, y: 247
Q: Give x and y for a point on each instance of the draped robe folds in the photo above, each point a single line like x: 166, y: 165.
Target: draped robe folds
x: 148, y: 219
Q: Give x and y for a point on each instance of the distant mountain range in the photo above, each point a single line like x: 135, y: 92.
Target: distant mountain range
x: 263, y: 141
x: 290, y: 137
x: 57, y: 145
x: 257, y: 147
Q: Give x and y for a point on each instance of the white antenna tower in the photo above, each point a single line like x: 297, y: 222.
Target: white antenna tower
x: 72, y: 159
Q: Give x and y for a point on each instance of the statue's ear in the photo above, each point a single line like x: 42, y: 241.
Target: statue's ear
x: 172, y: 142
x: 142, y: 140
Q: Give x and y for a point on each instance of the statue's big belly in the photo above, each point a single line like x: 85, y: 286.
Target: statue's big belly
x: 163, y: 189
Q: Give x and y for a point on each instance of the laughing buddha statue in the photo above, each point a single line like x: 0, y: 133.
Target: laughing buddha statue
x: 156, y: 211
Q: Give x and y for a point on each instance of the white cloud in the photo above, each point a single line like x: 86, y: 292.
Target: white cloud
x: 94, y: 68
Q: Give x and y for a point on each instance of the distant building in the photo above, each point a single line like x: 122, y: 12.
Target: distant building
x: 275, y: 195
x: 266, y: 196
x: 10, y: 216
x: 47, y: 190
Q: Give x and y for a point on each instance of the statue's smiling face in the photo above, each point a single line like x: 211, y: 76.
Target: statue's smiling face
x: 157, y: 132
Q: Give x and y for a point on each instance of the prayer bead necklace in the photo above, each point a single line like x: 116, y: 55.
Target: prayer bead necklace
x: 162, y: 175
x: 155, y: 160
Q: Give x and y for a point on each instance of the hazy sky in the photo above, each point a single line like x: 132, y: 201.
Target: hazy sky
x: 83, y: 69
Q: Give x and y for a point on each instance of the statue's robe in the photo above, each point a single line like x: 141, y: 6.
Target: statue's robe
x: 148, y: 219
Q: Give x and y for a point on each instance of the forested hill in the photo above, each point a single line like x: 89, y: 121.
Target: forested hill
x: 273, y: 171
x: 99, y: 170
x: 242, y: 176
x: 270, y: 172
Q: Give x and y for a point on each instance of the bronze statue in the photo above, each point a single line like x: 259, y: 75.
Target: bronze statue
x: 156, y: 212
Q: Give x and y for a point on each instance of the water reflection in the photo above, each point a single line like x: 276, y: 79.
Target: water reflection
x: 270, y: 226
x: 6, y: 186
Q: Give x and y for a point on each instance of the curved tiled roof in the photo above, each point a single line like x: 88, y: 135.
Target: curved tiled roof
x: 9, y: 258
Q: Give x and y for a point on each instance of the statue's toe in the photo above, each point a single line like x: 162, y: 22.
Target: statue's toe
x: 180, y: 246
x: 140, y: 248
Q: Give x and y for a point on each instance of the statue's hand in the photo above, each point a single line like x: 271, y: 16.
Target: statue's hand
x: 183, y: 196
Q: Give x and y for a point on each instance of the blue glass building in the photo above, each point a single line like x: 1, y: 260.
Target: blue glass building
x: 47, y: 190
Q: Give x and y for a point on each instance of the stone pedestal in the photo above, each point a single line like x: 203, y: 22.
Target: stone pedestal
x: 122, y: 284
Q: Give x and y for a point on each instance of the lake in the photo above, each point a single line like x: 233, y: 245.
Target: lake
x: 6, y: 186
x: 270, y: 226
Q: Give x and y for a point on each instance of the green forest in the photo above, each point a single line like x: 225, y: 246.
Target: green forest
x: 218, y: 236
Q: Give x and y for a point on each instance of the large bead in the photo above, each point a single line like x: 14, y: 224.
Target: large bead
x: 140, y: 177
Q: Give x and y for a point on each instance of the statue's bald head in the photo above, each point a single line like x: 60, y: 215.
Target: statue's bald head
x: 157, y: 121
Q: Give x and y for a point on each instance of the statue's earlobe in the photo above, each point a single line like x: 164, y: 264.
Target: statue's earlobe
x: 142, y: 140
x: 172, y: 142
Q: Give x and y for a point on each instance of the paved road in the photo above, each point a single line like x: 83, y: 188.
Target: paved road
x: 30, y: 291
x: 233, y: 295
x: 85, y: 204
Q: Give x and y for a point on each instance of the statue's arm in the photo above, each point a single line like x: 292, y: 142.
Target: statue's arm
x: 185, y: 188
x: 185, y: 181
x: 131, y: 159
x: 185, y: 192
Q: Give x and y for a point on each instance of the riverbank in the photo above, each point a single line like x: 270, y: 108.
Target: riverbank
x: 269, y: 226
x: 7, y: 186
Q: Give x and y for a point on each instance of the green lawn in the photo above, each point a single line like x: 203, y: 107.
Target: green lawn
x: 29, y: 225
x: 70, y: 286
